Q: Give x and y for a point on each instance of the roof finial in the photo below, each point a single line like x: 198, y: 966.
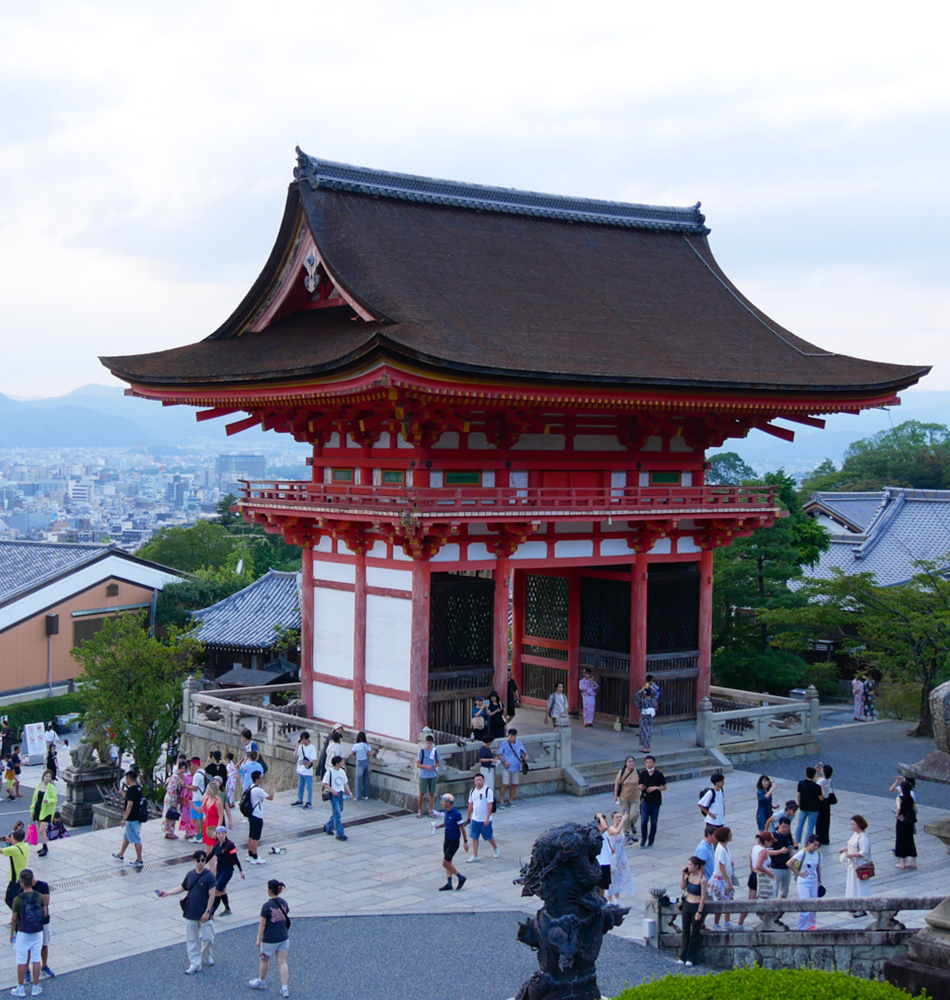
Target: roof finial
x: 306, y: 168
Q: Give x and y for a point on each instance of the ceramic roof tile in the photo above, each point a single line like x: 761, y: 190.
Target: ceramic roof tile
x: 246, y: 619
x: 24, y: 566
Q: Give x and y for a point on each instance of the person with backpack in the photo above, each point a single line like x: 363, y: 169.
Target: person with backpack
x: 427, y: 764
x: 199, y: 784
x: 26, y: 933
x: 273, y: 938
x: 132, y: 818
x: 42, y: 807
x: 252, y: 806
x: 198, y: 887
x: 18, y: 853
x: 712, y: 801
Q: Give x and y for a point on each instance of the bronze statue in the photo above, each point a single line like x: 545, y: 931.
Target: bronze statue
x: 567, y: 932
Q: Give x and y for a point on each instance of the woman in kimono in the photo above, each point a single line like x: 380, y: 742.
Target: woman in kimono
x: 187, y: 826
x: 172, y: 800
x: 647, y: 699
x: 857, y: 689
x: 589, y: 688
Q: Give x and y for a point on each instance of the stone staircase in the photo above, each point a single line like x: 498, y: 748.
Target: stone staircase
x: 678, y: 765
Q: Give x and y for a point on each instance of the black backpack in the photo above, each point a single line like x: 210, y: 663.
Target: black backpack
x: 245, y: 803
x: 31, y: 913
x: 142, y: 816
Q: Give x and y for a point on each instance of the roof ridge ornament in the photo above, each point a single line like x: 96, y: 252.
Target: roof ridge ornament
x: 458, y: 194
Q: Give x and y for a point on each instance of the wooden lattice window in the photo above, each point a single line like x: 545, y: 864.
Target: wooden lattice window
x: 343, y: 475
x: 394, y: 477
x: 112, y: 590
x: 86, y: 628
x: 545, y: 613
x: 672, y: 608
x: 460, y: 629
x: 665, y: 478
x: 605, y: 614
x: 461, y: 478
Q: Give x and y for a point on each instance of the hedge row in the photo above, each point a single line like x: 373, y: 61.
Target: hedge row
x: 756, y: 984
x: 21, y: 713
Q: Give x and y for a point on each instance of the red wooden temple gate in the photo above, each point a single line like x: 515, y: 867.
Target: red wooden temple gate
x: 501, y: 389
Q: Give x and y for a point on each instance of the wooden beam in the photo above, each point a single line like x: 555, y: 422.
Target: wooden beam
x: 779, y: 432
x: 638, y: 630
x: 242, y: 425
x: 807, y: 421
x: 217, y: 411
x: 419, y: 654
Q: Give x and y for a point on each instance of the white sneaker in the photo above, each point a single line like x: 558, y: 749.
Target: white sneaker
x: 209, y: 960
x: 497, y: 852
x: 192, y: 969
x: 679, y: 961
x: 472, y: 859
x: 36, y: 991
x: 257, y: 984
x: 18, y: 991
x: 688, y: 963
x: 285, y: 991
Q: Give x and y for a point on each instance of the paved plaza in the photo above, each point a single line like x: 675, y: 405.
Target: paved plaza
x: 388, y: 870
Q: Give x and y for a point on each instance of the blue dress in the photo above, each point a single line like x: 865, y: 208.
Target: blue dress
x: 763, y: 809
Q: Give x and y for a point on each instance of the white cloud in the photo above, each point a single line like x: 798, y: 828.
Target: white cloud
x: 146, y: 151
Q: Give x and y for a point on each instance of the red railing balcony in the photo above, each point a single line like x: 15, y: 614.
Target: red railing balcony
x: 504, y: 502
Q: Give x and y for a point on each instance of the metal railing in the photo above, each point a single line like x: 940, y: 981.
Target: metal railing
x: 501, y: 501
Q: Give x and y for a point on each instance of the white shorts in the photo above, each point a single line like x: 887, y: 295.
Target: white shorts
x: 46, y: 935
x: 510, y: 777
x: 27, y: 945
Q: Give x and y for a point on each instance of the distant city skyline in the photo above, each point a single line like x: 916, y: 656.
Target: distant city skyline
x: 146, y: 152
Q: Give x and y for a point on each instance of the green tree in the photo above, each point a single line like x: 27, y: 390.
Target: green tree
x: 189, y: 549
x: 752, y: 576
x: 132, y: 686
x: 226, y: 517
x: 903, y: 631
x: 728, y: 469
x: 204, y: 588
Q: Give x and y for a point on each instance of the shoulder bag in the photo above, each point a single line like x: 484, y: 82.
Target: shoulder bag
x: 865, y: 871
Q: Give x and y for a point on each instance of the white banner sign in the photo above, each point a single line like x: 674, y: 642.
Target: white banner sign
x: 35, y: 745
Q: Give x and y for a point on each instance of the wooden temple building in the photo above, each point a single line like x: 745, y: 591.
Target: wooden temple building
x: 506, y: 393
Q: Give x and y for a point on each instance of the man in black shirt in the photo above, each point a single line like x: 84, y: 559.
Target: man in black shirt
x: 652, y: 786
x: 783, y: 841
x: 809, y: 797
x: 198, y: 886
x: 131, y: 827
x: 215, y: 769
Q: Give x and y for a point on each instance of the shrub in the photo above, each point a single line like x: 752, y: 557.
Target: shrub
x: 898, y: 700
x: 42, y: 709
x: 755, y: 983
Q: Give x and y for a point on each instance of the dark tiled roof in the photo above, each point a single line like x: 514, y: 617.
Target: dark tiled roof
x: 431, y: 191
x: 268, y: 674
x: 857, y: 509
x: 908, y: 525
x: 537, y: 297
x: 24, y: 566
x: 246, y: 620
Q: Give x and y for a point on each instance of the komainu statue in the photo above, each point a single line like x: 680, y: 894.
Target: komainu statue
x: 568, y: 930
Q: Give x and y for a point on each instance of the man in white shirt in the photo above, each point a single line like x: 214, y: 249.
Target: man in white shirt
x: 306, y: 759
x: 334, y: 781
x: 713, y: 803
x: 481, y: 805
x: 255, y: 822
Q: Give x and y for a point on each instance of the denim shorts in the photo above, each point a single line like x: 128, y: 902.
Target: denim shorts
x: 133, y: 831
x: 482, y: 830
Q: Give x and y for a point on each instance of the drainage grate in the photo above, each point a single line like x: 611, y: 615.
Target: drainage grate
x: 187, y: 859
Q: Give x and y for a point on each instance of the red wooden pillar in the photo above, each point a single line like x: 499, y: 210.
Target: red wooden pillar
x: 359, y: 644
x: 419, y: 656
x: 573, y: 640
x: 638, y: 630
x: 306, y: 630
x: 517, y: 626
x: 500, y: 630
x: 704, y: 661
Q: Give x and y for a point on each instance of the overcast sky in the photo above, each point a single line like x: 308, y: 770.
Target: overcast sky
x: 145, y: 150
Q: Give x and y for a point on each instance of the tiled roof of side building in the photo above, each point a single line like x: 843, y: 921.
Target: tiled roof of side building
x: 24, y: 566
x: 909, y: 525
x: 857, y: 509
x: 246, y: 620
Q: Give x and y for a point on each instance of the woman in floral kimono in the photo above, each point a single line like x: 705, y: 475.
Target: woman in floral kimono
x: 647, y: 699
x: 188, y: 828
x: 857, y: 689
x: 172, y: 801
x: 589, y: 688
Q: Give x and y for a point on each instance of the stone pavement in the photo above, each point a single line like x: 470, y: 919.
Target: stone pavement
x: 391, y: 866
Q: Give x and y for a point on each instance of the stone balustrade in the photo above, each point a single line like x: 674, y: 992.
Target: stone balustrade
x: 861, y: 949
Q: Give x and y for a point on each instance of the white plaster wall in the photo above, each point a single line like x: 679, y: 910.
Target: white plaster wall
x: 384, y: 440
x: 663, y: 547
x: 450, y: 439
x: 399, y: 555
x: 324, y: 545
x: 401, y: 442
x: 333, y: 703
x: 686, y: 544
x: 654, y: 443
x: 479, y: 529
x: 644, y: 478
x: 679, y: 444
x: 686, y: 479
x: 478, y: 441
x: 435, y: 479
x: 333, y: 632
x: 387, y: 716
x: 479, y: 550
x: 448, y: 553
x: 488, y: 477
x: 335, y: 572
x: 615, y: 547
x: 378, y: 550
x: 574, y: 549
x: 532, y: 550
x: 597, y: 442
x: 388, y: 641
x: 540, y: 442
x: 391, y: 579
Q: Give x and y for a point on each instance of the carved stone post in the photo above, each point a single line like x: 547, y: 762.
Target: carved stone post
x: 562, y: 726
x: 814, y: 716
x: 188, y: 687
x: 705, y: 724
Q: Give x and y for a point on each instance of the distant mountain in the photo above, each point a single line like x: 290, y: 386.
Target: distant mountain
x: 31, y: 425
